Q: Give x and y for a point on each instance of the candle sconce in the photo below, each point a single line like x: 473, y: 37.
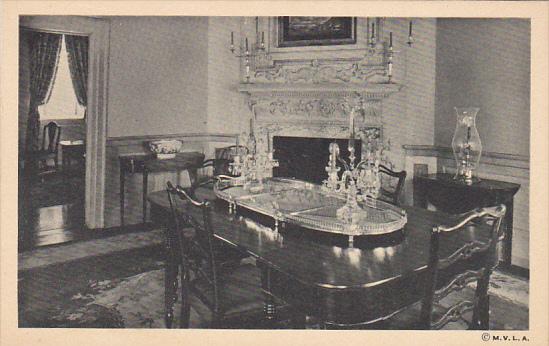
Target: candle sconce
x: 250, y: 49
x: 373, y: 39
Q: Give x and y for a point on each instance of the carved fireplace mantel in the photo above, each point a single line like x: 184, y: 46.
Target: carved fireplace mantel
x: 315, y: 109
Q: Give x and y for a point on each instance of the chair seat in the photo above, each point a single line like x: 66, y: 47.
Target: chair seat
x: 240, y: 291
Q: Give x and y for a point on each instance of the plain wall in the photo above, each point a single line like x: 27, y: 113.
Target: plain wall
x: 485, y: 63
x: 157, y: 75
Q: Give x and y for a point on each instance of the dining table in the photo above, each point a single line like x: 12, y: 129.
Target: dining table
x: 322, y: 274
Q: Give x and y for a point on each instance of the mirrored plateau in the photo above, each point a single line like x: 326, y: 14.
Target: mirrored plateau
x: 308, y: 205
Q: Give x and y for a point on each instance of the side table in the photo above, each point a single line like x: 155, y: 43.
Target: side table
x: 451, y: 196
x: 148, y: 163
x: 72, y: 151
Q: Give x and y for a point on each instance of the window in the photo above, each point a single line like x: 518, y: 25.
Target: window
x: 63, y: 103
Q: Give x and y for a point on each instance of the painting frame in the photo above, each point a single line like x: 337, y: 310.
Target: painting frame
x: 316, y: 31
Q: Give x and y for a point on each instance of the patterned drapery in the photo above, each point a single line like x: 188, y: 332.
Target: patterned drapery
x: 77, y: 48
x: 44, y: 57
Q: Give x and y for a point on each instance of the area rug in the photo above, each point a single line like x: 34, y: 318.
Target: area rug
x: 137, y: 301
x: 117, y: 282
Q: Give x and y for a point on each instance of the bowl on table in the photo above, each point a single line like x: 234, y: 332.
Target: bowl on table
x: 165, y: 149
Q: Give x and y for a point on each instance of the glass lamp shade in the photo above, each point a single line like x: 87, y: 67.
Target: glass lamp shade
x: 466, y: 145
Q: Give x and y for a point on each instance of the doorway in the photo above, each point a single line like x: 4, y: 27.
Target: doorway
x: 90, y: 187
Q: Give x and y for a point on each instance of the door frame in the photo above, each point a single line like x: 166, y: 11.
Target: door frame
x: 98, y: 31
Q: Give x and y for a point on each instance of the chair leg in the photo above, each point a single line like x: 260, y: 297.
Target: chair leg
x: 481, y: 313
x: 484, y: 322
x: 185, y: 303
x: 170, y: 289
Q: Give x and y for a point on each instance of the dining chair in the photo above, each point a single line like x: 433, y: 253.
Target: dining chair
x: 220, y: 165
x: 231, y: 291
x: 392, y: 195
x: 225, y: 156
x: 51, y: 135
x: 474, y: 261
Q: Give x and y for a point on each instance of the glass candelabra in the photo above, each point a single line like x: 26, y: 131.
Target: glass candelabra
x: 252, y: 167
x: 358, y: 183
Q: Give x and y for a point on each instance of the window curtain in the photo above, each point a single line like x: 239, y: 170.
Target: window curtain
x: 77, y: 48
x: 44, y: 57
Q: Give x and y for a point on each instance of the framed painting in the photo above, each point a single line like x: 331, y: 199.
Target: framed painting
x: 316, y: 31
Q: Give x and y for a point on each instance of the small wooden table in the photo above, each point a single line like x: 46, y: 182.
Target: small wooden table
x: 147, y: 163
x: 72, y: 151
x: 454, y: 197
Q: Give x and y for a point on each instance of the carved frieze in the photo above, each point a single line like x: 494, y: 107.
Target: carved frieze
x: 334, y: 108
x: 316, y: 73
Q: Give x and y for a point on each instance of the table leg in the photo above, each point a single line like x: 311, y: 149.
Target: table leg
x: 508, y: 240
x: 145, y: 187
x: 269, y: 306
x: 420, y: 195
x: 122, y: 197
x: 193, y: 176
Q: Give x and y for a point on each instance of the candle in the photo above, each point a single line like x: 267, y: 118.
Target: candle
x: 391, y: 39
x: 262, y: 37
x: 246, y: 45
x: 268, y: 142
x: 352, y: 124
x: 373, y: 30
x: 410, y: 29
x: 232, y: 38
x: 251, y: 125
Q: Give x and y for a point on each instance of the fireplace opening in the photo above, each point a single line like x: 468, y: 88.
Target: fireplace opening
x: 306, y: 158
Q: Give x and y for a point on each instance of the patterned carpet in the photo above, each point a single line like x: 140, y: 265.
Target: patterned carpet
x: 117, y: 282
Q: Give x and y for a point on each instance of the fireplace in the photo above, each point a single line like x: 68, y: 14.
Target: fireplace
x: 305, y: 158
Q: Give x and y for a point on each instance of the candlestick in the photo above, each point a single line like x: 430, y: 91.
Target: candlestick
x: 410, y: 29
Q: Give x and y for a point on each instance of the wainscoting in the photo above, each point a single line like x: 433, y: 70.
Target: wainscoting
x: 201, y: 142
x: 497, y: 166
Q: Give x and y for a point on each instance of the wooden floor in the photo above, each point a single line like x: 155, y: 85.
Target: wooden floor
x: 51, y: 210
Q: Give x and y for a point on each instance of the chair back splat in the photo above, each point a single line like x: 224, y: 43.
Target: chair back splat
x: 197, y: 252
x: 229, y: 289
x: 472, y: 262
x: 52, y: 132
x: 393, y: 196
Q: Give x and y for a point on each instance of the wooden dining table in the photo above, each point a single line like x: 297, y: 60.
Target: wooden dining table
x: 323, y: 276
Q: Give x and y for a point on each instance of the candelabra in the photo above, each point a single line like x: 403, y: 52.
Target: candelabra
x: 254, y: 50
x: 257, y: 49
x: 252, y: 167
x: 358, y: 182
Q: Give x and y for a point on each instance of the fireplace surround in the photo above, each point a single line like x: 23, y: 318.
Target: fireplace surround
x: 305, y: 158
